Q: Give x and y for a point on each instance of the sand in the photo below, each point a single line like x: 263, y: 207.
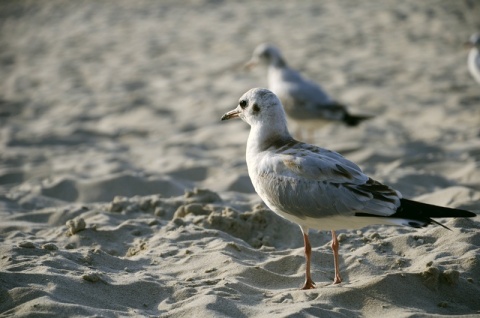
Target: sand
x: 122, y: 194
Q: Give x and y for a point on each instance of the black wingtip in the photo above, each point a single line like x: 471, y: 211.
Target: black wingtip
x: 418, y: 214
x: 423, y: 211
x: 438, y: 223
x: 354, y: 120
x: 409, y: 208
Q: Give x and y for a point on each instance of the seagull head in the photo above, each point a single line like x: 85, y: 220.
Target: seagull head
x: 259, y: 107
x: 266, y: 54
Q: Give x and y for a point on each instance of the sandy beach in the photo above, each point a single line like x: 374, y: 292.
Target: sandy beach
x: 122, y: 194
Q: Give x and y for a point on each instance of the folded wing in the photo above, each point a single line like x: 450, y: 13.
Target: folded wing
x: 307, y: 181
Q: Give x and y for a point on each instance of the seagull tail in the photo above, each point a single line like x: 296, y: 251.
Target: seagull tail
x: 354, y: 120
x: 418, y: 214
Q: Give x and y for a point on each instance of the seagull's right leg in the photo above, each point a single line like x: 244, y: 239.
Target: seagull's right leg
x: 309, y: 284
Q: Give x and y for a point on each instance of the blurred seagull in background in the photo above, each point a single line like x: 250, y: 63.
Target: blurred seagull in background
x: 315, y: 187
x: 305, y: 102
x: 474, y: 56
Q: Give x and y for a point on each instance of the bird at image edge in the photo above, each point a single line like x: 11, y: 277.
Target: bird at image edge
x: 474, y: 56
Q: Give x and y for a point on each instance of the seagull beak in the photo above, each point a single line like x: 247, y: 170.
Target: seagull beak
x: 231, y: 114
x: 468, y: 45
x: 250, y: 64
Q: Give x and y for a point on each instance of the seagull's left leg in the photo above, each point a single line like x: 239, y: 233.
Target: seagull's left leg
x: 309, y: 284
x: 335, y: 246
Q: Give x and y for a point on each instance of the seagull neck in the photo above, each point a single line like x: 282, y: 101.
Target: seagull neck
x: 474, y: 63
x: 278, y: 62
x: 474, y: 53
x: 262, y: 137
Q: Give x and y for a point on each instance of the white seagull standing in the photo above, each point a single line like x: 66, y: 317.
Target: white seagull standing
x: 315, y: 187
x: 474, y: 56
x: 305, y: 102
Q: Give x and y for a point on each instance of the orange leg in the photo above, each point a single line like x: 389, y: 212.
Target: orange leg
x: 335, y: 246
x: 309, y: 284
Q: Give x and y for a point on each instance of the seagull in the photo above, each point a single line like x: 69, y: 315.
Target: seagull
x: 474, y: 56
x: 315, y: 187
x: 305, y: 102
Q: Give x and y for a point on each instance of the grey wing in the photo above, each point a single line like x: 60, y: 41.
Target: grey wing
x: 319, y: 186
x: 317, y: 199
x: 310, y: 100
x: 308, y: 93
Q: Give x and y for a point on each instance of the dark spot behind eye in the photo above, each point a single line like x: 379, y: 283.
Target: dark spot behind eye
x: 256, y: 108
x: 243, y: 103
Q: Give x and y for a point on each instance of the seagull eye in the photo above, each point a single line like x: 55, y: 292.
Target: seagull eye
x: 243, y: 104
